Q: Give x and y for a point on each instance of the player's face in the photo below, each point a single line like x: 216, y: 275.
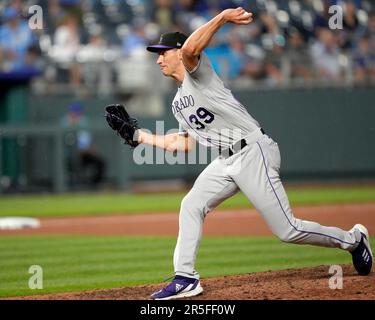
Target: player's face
x: 169, y: 61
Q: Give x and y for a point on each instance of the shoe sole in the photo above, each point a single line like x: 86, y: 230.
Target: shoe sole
x: 198, y: 290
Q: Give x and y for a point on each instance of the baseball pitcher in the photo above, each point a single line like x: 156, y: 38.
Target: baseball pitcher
x: 249, y: 159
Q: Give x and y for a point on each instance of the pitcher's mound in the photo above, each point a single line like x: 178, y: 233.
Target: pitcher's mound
x: 294, y: 284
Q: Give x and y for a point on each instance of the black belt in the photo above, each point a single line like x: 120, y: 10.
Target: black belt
x: 234, y: 148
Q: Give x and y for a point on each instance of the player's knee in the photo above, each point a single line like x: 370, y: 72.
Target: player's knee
x: 289, y: 233
x: 287, y: 236
x: 191, y: 205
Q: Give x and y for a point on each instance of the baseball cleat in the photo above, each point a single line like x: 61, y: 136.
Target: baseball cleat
x: 362, y: 255
x: 180, y: 287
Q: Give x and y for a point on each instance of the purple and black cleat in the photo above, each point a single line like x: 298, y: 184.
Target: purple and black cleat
x: 362, y: 255
x: 180, y: 287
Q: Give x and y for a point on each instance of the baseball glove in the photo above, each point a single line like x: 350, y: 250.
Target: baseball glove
x: 120, y: 121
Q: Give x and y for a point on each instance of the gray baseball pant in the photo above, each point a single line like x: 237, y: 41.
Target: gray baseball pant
x: 255, y: 171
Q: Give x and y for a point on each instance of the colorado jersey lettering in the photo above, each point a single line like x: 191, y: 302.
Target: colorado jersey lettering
x: 207, y: 111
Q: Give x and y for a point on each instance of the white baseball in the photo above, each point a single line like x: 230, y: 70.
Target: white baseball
x: 246, y: 14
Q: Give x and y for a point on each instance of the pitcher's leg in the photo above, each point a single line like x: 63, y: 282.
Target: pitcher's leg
x: 259, y: 180
x: 211, y: 188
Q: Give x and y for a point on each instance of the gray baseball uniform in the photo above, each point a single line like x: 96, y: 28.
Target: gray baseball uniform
x: 208, y: 112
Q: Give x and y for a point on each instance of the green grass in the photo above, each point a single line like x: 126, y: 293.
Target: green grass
x: 84, y: 263
x: 109, y: 203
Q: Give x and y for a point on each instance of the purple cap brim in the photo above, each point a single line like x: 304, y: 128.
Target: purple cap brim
x: 158, y: 47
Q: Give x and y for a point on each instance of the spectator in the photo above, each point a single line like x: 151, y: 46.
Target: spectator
x: 66, y: 46
x: 222, y: 60
x: 269, y: 25
x: 322, y: 17
x: 72, y: 7
x: 81, y: 152
x: 189, y: 14
x: 350, y: 20
x: 350, y: 26
x: 371, y: 29
x: 18, y: 5
x: 97, y: 73
x: 55, y: 14
x: 273, y: 65
x: 299, y: 57
x: 231, y: 52
x: 364, y: 60
x: 242, y: 64
x: 16, y: 39
x: 135, y: 40
x: 325, y: 54
x: 162, y: 14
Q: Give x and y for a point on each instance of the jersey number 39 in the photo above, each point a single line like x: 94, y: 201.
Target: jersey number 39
x: 202, y: 116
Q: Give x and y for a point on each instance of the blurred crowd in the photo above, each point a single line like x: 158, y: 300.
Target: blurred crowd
x: 289, y: 42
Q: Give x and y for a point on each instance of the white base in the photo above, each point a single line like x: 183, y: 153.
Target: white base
x: 16, y: 223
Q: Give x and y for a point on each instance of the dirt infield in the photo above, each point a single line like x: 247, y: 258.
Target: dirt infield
x: 244, y: 222
x: 307, y: 283
x: 292, y: 284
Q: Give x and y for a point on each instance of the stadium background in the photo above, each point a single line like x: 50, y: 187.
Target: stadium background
x: 310, y: 87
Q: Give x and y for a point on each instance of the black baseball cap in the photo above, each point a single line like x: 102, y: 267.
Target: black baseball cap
x: 168, y: 41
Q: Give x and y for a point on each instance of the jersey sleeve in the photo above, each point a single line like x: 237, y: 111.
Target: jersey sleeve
x: 203, y: 71
x: 182, y: 131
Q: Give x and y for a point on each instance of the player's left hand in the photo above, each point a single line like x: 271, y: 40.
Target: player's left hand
x: 237, y: 16
x: 119, y: 120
